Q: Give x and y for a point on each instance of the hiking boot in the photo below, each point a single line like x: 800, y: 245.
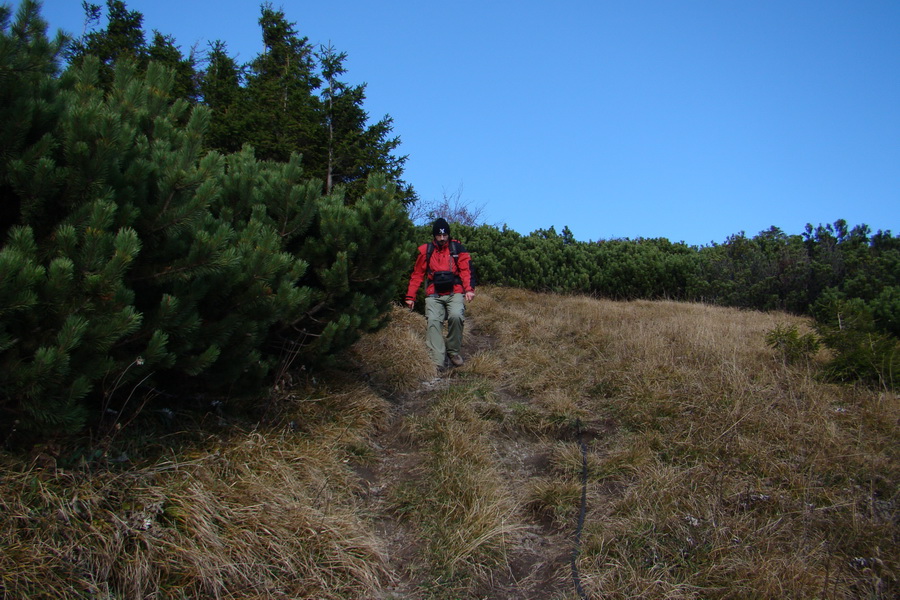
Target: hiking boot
x: 456, y: 360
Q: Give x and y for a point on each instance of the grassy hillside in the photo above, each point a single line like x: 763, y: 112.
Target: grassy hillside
x: 715, y: 468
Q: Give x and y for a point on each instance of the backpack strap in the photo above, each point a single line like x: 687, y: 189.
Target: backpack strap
x: 455, y: 249
x: 428, y: 253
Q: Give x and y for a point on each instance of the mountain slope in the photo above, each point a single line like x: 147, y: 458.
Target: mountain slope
x: 715, y: 468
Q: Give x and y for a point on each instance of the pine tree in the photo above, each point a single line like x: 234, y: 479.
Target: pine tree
x: 354, y: 149
x: 137, y: 258
x: 332, y: 64
x: 163, y: 50
x: 29, y: 104
x: 355, y: 252
x: 221, y: 91
x: 282, y: 109
x: 122, y: 39
x: 123, y: 268
x: 64, y: 301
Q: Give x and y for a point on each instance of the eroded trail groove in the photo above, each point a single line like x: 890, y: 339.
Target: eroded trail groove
x: 508, y: 547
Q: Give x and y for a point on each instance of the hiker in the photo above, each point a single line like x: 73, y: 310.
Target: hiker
x: 445, y: 266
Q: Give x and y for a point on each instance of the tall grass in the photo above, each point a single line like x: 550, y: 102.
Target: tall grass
x: 716, y: 469
x: 254, y: 514
x: 459, y: 501
x: 724, y: 472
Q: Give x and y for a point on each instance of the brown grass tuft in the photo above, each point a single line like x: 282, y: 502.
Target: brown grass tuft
x: 460, y: 503
x: 259, y: 514
x: 396, y: 357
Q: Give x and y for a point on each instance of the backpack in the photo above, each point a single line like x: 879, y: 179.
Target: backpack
x: 455, y: 249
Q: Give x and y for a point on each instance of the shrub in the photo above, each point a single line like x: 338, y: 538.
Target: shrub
x: 133, y: 257
x: 792, y: 346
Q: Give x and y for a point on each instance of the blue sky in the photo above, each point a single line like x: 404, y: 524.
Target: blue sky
x: 685, y: 119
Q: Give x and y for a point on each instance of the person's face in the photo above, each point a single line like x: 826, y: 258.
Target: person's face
x: 441, y: 239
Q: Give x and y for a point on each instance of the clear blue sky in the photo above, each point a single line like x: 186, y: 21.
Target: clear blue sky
x: 685, y: 119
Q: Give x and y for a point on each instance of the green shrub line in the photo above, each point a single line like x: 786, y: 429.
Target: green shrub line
x: 848, y: 279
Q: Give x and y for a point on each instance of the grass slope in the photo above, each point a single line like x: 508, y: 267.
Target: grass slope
x: 715, y: 469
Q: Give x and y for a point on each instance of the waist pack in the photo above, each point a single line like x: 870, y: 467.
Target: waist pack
x: 444, y: 281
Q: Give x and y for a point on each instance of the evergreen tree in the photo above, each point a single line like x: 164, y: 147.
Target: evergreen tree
x: 769, y: 271
x: 355, y: 252
x: 282, y: 112
x: 116, y: 251
x: 276, y: 103
x: 63, y: 300
x: 137, y: 257
x: 123, y: 38
x: 29, y: 104
x: 354, y: 149
x: 163, y: 50
x: 332, y: 64
x: 221, y: 90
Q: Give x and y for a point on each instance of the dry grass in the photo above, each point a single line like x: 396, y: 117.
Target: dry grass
x: 715, y: 470
x: 254, y: 515
x: 396, y: 358
x: 732, y: 474
x: 460, y: 503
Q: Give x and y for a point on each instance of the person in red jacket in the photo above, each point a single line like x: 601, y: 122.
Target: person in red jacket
x: 448, y: 277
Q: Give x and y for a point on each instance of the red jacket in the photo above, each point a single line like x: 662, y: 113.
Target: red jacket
x: 441, y: 260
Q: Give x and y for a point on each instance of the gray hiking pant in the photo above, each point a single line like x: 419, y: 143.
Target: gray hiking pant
x: 451, y: 308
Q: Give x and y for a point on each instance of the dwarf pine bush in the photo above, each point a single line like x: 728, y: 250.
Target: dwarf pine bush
x: 133, y: 257
x: 792, y: 346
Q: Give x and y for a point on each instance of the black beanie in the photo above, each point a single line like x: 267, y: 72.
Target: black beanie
x: 440, y: 227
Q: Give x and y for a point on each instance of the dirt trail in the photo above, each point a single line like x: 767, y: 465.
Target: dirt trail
x: 538, y: 554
